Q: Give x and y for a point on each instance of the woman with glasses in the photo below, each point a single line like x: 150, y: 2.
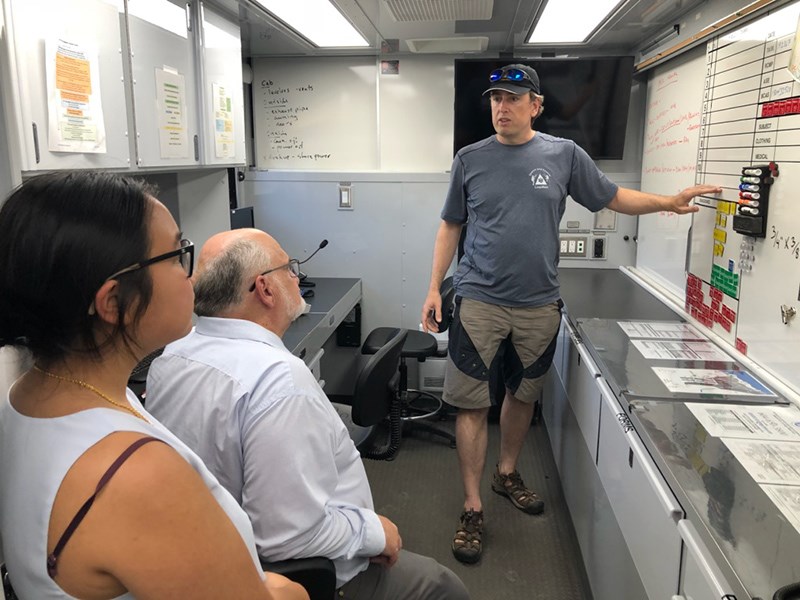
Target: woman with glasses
x: 97, y: 499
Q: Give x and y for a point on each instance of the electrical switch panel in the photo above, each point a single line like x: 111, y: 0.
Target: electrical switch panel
x: 573, y: 247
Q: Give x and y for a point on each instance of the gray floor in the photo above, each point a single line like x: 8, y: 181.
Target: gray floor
x: 524, y: 556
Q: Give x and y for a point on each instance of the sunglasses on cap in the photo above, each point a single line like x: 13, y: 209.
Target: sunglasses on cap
x: 513, y: 75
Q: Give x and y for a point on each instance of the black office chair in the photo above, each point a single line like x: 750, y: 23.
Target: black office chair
x: 316, y: 574
x: 788, y: 592
x: 414, y: 405
x: 372, y: 401
x: 138, y: 379
x: 5, y: 584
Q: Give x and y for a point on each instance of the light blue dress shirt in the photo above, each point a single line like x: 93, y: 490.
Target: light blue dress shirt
x: 258, y: 418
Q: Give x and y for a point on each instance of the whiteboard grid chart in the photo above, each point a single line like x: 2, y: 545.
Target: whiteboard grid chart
x: 750, y: 115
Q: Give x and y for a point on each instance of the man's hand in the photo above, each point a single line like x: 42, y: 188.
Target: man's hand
x: 681, y: 202
x: 394, y: 543
x: 432, y: 312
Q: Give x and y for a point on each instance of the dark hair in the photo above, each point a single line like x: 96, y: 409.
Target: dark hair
x: 61, y: 235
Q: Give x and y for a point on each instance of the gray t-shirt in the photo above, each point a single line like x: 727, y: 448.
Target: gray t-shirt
x: 513, y: 198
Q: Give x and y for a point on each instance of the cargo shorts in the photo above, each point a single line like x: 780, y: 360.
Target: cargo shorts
x: 488, y: 342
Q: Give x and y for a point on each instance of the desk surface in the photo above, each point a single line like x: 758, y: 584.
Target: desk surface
x: 747, y: 535
x: 609, y: 294
x: 731, y: 512
x: 329, y: 291
x: 334, y: 298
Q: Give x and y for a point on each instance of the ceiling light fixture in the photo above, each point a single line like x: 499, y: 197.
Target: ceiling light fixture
x: 570, y: 21
x: 319, y: 21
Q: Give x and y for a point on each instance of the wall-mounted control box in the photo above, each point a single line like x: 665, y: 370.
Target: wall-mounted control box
x: 591, y: 247
x: 572, y: 246
x: 599, y: 247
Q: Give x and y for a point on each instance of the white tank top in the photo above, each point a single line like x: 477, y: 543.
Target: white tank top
x: 35, y: 455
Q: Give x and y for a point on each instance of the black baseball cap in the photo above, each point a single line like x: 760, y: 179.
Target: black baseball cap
x: 515, y: 79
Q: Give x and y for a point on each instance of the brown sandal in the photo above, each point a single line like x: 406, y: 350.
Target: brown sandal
x: 467, y: 541
x: 511, y: 486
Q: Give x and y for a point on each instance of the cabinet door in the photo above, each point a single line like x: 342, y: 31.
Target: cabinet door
x: 222, y: 95
x: 645, y: 508
x: 69, y: 101
x: 162, y: 55
x: 554, y: 394
x: 701, y: 578
x: 582, y: 391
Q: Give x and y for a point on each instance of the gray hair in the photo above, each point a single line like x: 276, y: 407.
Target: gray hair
x: 221, y: 284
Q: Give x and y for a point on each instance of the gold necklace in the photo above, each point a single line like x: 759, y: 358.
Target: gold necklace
x: 91, y: 388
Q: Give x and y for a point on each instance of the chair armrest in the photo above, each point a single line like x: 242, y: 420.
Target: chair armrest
x: 316, y: 574
x: 5, y: 585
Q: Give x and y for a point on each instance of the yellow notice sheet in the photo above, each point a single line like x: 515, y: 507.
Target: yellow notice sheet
x: 73, y: 98
x: 173, y: 137
x: 223, y: 122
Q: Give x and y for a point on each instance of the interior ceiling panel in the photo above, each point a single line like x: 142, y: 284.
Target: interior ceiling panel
x: 440, y: 10
x: 505, y: 22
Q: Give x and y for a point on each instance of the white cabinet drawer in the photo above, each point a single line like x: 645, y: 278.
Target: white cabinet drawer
x: 645, y: 508
x: 582, y: 392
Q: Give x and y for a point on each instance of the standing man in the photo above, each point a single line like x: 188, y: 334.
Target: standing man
x: 511, y: 188
x: 261, y: 423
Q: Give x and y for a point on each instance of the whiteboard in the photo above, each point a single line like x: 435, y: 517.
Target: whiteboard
x: 672, y: 131
x: 747, y: 70
x: 316, y: 113
x: 737, y: 284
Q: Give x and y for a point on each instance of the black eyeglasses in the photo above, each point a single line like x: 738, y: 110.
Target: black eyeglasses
x: 293, y: 265
x: 185, y: 254
x: 514, y: 75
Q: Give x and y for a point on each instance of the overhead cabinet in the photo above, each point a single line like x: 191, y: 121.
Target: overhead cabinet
x: 70, y: 84
x: 107, y: 84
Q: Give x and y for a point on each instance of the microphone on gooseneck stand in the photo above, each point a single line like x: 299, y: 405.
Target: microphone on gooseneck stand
x: 322, y: 244
x: 304, y: 281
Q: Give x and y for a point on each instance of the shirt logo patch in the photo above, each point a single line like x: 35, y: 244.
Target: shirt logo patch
x: 540, y: 179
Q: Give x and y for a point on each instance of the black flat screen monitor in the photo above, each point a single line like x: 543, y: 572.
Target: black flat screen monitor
x: 585, y: 100
x: 242, y: 217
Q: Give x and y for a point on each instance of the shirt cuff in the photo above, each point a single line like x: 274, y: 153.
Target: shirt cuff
x: 374, y: 537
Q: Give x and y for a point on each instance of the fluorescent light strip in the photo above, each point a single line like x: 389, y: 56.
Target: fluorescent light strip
x: 317, y: 20
x: 570, y: 21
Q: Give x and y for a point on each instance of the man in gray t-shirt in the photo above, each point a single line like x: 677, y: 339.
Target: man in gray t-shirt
x: 511, y: 188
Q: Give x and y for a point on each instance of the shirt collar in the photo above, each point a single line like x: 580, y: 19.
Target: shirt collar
x: 237, y: 329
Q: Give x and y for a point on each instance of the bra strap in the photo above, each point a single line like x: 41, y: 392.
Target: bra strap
x: 52, y: 558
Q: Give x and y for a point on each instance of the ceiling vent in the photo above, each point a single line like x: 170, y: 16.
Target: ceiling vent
x: 455, y: 45
x: 419, y: 11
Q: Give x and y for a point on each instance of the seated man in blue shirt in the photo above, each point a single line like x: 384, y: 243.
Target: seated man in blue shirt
x: 258, y: 418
